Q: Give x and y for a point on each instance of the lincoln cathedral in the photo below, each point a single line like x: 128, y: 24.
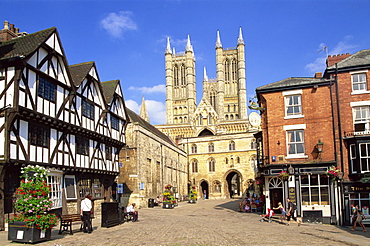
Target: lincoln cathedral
x: 216, y: 133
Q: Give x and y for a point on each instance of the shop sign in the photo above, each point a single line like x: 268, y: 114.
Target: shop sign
x: 359, y: 188
x: 292, y: 194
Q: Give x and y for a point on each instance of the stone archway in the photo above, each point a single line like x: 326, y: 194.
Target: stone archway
x: 233, y: 180
x: 204, y: 187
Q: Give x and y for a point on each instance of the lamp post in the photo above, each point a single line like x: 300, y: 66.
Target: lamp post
x: 291, y: 170
x: 320, y: 146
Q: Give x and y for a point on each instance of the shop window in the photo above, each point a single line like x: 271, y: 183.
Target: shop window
x: 315, y: 189
x: 97, y: 188
x: 84, y: 187
x: 361, y: 199
x: 54, y: 181
x: 70, y: 187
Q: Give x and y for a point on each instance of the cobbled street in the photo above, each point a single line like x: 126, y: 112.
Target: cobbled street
x: 208, y: 222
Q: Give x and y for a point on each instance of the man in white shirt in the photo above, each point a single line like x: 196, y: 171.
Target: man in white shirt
x: 86, y: 210
x: 131, y: 209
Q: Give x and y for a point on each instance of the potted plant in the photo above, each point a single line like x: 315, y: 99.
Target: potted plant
x: 284, y: 175
x: 334, y: 173
x: 168, y: 197
x: 193, y: 195
x: 33, y: 222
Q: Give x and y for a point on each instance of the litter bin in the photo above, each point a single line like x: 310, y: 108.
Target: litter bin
x: 150, y: 203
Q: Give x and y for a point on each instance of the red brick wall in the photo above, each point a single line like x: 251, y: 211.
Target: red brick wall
x: 316, y: 108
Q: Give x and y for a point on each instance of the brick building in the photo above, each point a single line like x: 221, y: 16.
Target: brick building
x: 296, y: 138
x: 351, y: 95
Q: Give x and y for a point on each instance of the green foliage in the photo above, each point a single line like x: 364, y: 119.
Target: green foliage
x: 168, y: 194
x: 193, y: 193
x: 33, y: 202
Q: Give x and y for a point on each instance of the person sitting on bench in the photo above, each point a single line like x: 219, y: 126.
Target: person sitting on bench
x: 133, y: 211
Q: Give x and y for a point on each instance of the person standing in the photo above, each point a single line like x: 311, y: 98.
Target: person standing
x: 290, y: 212
x: 86, y: 211
x: 354, y: 213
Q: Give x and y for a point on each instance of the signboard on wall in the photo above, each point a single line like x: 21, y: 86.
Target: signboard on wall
x: 292, y: 194
x: 120, y: 189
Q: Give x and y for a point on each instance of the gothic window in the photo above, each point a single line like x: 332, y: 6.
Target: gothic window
x: 211, y: 147
x: 194, y: 166
x: 194, y: 149
x: 175, y: 111
x: 233, y: 69
x: 176, y: 75
x: 228, y: 108
x: 226, y: 161
x: 212, y: 99
x: 232, y: 145
x: 200, y: 119
x: 211, y: 165
x: 216, y: 186
x: 237, y: 160
x: 175, y: 120
x: 180, y: 119
x: 185, y: 119
x: 180, y: 110
x: 209, y: 119
x: 236, y: 116
x: 182, y: 70
x: 227, y: 70
x: 226, y: 117
x: 234, y: 108
x: 231, y: 117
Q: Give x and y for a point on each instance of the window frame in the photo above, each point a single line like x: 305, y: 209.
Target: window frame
x: 46, y: 89
x: 362, y: 84
x: 194, y: 166
x: 297, y: 144
x: 39, y: 135
x: 82, y: 145
x: 114, y: 122
x: 211, y: 147
x: 55, y: 181
x: 319, y: 186
x: 73, y: 178
x: 287, y: 96
x: 88, y: 109
x: 194, y: 149
x: 211, y: 165
x: 364, y: 157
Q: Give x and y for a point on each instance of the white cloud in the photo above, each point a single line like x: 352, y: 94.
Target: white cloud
x: 342, y: 47
x: 156, y: 110
x: 149, y: 90
x: 134, y: 106
x: 117, y: 23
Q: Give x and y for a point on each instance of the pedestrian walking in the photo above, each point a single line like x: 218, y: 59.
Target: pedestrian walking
x: 360, y: 217
x: 282, y: 211
x: 291, y: 212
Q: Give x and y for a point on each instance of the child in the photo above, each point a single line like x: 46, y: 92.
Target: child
x: 282, y: 210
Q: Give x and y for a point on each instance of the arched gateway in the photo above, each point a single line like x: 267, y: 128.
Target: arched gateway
x: 233, y: 180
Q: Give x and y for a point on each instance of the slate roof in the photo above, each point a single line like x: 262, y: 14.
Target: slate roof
x: 25, y: 45
x: 361, y: 58
x: 80, y: 71
x: 294, y: 82
x: 109, y: 87
x: 134, y: 118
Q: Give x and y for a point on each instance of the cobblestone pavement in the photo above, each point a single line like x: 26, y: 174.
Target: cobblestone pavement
x: 208, y: 222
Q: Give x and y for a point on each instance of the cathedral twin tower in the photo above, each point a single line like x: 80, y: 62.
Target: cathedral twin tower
x: 224, y: 98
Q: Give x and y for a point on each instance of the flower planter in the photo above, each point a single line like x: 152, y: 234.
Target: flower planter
x: 19, y: 232
x: 168, y: 205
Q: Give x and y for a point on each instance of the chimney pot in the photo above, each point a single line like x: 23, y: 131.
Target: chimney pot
x: 318, y: 75
x: 6, y: 25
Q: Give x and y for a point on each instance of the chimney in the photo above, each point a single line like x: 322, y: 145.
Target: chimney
x: 318, y: 75
x: 9, y: 32
x: 336, y: 58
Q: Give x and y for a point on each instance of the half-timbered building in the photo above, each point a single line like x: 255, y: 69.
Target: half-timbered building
x: 56, y: 116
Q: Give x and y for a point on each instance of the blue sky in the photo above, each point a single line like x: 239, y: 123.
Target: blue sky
x: 127, y: 39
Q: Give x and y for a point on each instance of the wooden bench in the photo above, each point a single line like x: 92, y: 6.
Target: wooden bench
x: 66, y: 221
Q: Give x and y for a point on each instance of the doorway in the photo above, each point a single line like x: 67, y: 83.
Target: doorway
x: 233, y: 184
x: 204, y: 190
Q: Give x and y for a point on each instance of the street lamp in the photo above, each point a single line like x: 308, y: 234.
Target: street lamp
x: 319, y: 146
x: 291, y: 170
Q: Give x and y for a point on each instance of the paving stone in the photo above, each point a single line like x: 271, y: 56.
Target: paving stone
x: 208, y: 222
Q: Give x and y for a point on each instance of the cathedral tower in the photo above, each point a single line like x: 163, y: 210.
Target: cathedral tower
x: 180, y: 84
x: 231, y: 96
